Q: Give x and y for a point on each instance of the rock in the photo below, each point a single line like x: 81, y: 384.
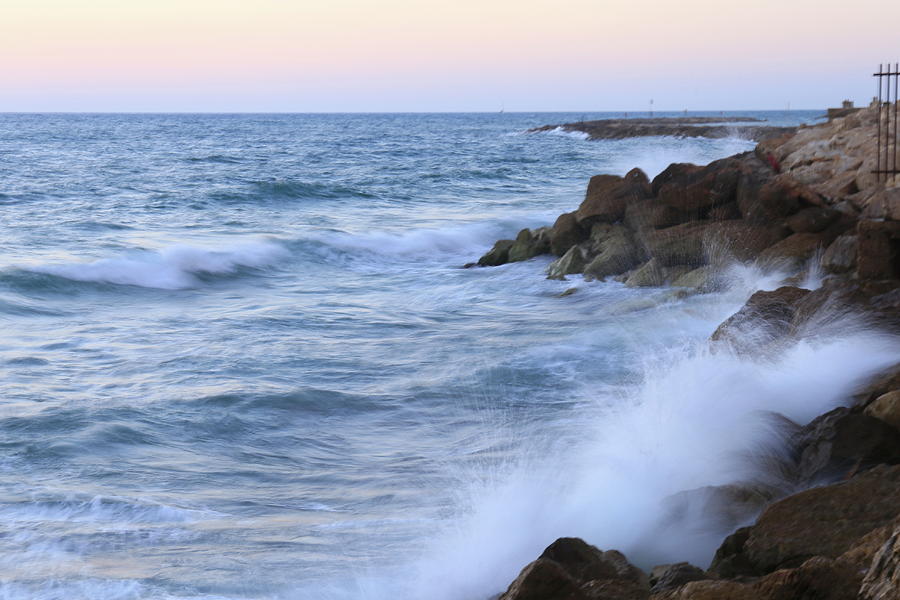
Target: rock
x: 616, y: 251
x: 886, y: 408
x: 573, y: 261
x: 694, y: 190
x: 877, y: 301
x: 565, y: 233
x: 608, y: 195
x: 679, y: 245
x: 726, y: 212
x: 529, y: 244
x: 571, y: 569
x: 693, y: 243
x: 544, y: 580
x: 885, y: 382
x: 840, y: 257
x: 842, y: 443
x: 498, y: 255
x: 819, y: 578
x: 651, y: 214
x: 884, y: 204
x: 773, y: 200
x: 702, y: 279
x: 797, y: 249
x: 741, y: 240
x: 650, y: 274
x: 823, y: 521
x: 879, y: 250
x: 765, y: 317
x: 711, y: 590
x: 812, y: 220
x: 882, y: 581
x: 670, y: 577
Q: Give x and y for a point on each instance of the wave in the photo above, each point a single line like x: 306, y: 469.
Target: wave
x: 695, y: 421
x: 215, y: 158
x: 176, y: 267
x: 287, y: 189
x: 560, y: 131
x: 99, y: 509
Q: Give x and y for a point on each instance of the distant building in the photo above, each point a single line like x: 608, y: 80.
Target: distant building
x: 845, y: 109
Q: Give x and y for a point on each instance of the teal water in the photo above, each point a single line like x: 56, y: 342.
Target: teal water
x: 240, y: 358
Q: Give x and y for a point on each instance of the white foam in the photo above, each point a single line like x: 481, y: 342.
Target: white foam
x: 173, y: 267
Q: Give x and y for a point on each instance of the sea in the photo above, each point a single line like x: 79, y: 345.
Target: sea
x: 240, y: 359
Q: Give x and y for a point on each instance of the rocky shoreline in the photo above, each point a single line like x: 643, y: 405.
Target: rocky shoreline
x: 709, y: 127
x: 803, y: 201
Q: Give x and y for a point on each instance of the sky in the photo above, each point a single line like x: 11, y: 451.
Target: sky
x: 457, y: 55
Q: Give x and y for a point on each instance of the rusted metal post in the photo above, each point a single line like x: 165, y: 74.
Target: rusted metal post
x: 878, y: 121
x: 887, y: 124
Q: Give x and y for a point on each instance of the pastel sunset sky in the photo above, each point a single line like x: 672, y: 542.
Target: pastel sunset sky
x: 460, y: 55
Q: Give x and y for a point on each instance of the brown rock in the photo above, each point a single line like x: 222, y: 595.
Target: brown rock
x: 765, y: 317
x: 544, y: 580
x: 651, y: 214
x: 773, y: 200
x: 842, y: 443
x: 840, y: 257
x: 608, y: 195
x: 879, y: 250
x: 565, y: 233
x: 671, y: 577
x: 886, y: 408
x: 812, y: 220
x: 882, y: 581
x: 616, y: 251
x: 694, y: 190
x: 573, y: 261
x: 711, y: 590
x: 585, y: 562
x: 796, y: 248
x: 650, y: 274
x: 726, y: 212
x: 824, y: 521
x: 819, y: 578
x: 679, y: 245
x: 884, y: 382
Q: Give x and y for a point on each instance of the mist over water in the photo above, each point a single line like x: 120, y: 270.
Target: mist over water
x: 240, y: 361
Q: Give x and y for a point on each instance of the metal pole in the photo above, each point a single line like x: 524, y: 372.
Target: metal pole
x: 878, y: 136
x: 887, y: 126
x: 896, y: 104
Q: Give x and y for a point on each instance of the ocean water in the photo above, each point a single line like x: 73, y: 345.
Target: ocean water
x: 240, y: 360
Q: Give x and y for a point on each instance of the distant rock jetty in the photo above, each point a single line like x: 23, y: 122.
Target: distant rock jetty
x: 710, y: 127
x: 798, y: 196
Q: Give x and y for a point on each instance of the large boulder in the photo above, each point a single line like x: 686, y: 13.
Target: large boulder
x: 886, y: 408
x: 812, y: 219
x: 794, y: 249
x: 670, y: 577
x: 529, y: 244
x: 773, y: 200
x: 694, y: 190
x: 766, y: 316
x: 882, y: 581
x: 616, y: 251
x: 565, y: 233
x: 652, y: 214
x: 571, y: 569
x: 879, y: 250
x: 694, y: 243
x: 573, y: 261
x: 840, y: 257
x: 608, y: 195
x: 825, y: 521
x: 841, y: 443
x: 498, y: 255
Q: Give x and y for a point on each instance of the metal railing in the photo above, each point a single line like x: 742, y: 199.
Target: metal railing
x: 886, y: 153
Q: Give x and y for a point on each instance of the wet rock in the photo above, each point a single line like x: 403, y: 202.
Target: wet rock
x: 616, y: 251
x: 879, y: 250
x: 886, y: 408
x: 679, y: 245
x: 571, y: 569
x: 694, y: 190
x: 882, y: 581
x: 670, y: 577
x: 765, y: 317
x: 726, y: 212
x: 608, y: 195
x: 651, y: 214
x: 819, y: 578
x: 703, y: 279
x: 885, y: 382
x: 877, y: 301
x: 812, y: 219
x: 840, y: 257
x: 568, y: 292
x: 842, y: 443
x: 565, y: 233
x: 650, y: 274
x: 573, y: 261
x: 795, y: 249
x: 824, y: 521
x: 710, y: 590
x: 544, y: 580
x: 498, y: 255
x: 529, y: 244
x: 773, y: 200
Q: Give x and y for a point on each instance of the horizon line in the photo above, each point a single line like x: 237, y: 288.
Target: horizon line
x: 389, y: 112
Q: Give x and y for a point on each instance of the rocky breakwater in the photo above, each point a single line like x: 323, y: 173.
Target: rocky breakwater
x: 709, y: 127
x: 802, y: 195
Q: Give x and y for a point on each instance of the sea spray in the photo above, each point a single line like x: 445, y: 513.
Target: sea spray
x: 702, y: 415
